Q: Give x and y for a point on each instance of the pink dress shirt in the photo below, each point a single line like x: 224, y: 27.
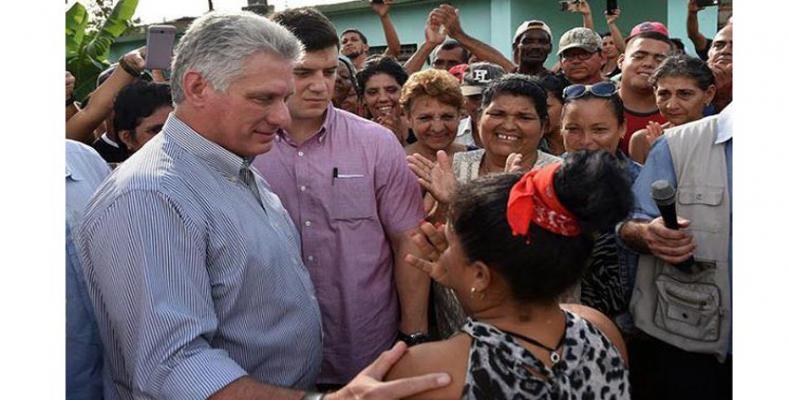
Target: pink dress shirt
x: 348, y: 189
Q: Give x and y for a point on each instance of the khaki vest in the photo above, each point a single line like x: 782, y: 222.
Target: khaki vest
x: 692, y: 310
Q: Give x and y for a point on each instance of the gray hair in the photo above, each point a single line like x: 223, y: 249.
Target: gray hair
x: 217, y: 44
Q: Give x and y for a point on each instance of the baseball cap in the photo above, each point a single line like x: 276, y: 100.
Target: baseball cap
x: 649, y: 26
x: 583, y: 38
x: 478, y: 76
x: 530, y: 25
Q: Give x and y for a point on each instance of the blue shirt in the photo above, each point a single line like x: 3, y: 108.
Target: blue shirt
x: 85, y: 170
x: 195, y: 281
x: 659, y: 166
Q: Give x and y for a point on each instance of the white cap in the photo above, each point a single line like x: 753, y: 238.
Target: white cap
x: 530, y: 25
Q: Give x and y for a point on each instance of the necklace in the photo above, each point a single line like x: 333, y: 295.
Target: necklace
x: 553, y: 354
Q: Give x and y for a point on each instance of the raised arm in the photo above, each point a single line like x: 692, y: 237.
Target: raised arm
x: 617, y: 37
x: 393, y: 43
x: 692, y: 26
x: 434, y: 36
x: 449, y: 17
x: 587, y: 19
x: 81, y: 125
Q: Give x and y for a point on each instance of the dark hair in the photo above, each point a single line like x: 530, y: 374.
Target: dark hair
x: 604, y: 34
x: 136, y: 101
x: 351, y: 72
x: 518, y: 85
x: 615, y: 104
x: 312, y: 28
x: 381, y: 65
x: 593, y: 186
x: 687, y: 67
x: 354, y: 30
x: 553, y: 84
x: 679, y: 48
x: 652, y: 35
x: 451, y: 44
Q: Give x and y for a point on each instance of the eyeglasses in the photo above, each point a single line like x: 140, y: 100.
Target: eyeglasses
x: 581, y: 55
x: 600, y: 89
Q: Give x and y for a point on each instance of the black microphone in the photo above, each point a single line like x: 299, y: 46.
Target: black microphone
x: 664, y: 195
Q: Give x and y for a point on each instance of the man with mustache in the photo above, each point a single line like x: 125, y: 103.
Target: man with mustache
x: 720, y: 62
x: 646, y: 47
x: 581, y: 57
x: 531, y: 47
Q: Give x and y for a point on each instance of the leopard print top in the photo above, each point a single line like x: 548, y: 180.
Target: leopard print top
x: 590, y: 367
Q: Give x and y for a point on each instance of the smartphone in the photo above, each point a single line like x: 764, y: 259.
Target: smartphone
x: 706, y: 3
x: 611, y: 5
x: 159, y: 46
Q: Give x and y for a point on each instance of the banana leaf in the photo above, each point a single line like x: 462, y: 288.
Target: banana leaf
x: 76, y: 22
x: 87, y: 52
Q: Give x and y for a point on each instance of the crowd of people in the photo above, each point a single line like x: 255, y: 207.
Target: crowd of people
x: 284, y: 215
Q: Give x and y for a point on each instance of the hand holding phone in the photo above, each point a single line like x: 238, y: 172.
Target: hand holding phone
x: 611, y: 5
x: 159, y: 46
x: 570, y: 5
x: 706, y: 3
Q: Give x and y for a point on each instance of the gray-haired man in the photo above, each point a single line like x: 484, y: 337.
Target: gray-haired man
x: 191, y: 262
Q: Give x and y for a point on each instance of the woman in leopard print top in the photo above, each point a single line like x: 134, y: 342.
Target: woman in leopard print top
x: 511, y: 247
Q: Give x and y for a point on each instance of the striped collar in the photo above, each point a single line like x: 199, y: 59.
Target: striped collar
x: 196, y: 144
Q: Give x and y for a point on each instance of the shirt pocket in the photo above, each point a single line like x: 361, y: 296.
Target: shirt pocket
x: 353, y: 197
x: 711, y: 196
x: 689, y: 309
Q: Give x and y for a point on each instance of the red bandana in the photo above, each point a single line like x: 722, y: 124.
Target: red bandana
x: 533, y: 198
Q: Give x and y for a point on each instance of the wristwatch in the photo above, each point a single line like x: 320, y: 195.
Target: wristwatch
x: 313, y: 396
x: 414, y: 338
x: 129, y: 69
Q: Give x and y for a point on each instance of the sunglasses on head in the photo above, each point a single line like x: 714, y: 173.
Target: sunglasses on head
x: 600, y: 89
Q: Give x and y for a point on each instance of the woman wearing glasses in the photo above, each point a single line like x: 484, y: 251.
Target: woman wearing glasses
x: 593, y: 119
x: 684, y: 88
x: 513, y: 116
x: 511, y: 246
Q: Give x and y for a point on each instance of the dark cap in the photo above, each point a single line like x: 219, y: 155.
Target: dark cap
x: 478, y: 76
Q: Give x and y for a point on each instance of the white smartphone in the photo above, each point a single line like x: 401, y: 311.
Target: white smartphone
x: 159, y: 46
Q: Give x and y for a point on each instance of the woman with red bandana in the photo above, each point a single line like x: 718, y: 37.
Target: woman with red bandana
x: 511, y: 246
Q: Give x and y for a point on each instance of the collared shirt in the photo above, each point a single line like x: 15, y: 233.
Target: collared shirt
x: 465, y: 135
x: 348, y: 189
x: 659, y: 166
x: 110, y: 150
x: 85, y: 170
x: 194, y: 282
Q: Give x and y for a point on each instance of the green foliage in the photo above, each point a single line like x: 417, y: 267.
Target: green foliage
x: 87, y: 49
